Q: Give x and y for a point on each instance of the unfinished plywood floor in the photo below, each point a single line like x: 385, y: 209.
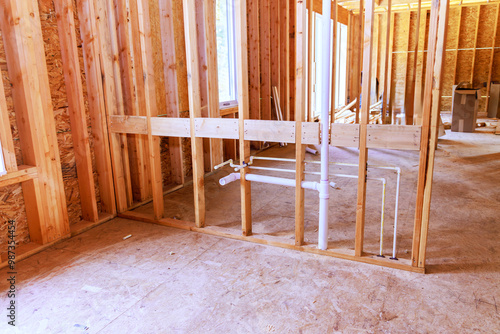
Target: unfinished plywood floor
x: 210, y: 284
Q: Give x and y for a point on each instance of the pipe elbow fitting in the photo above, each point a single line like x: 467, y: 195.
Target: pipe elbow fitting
x: 228, y: 179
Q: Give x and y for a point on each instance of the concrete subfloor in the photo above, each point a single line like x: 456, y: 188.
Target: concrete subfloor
x: 165, y: 280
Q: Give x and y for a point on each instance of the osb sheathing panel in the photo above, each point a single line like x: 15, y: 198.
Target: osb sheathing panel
x: 453, y: 27
x: 464, y: 66
x: 468, y: 27
x: 12, y: 207
x: 60, y: 105
x: 486, y: 26
x: 401, y: 31
x: 448, y: 74
x: 496, y: 66
x: 399, y: 57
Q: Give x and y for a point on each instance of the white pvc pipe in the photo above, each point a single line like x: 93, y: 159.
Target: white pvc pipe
x: 252, y: 158
x: 396, y: 217
x: 272, y: 169
x: 324, y: 70
x: 268, y: 179
x: 382, y: 220
x: 312, y: 151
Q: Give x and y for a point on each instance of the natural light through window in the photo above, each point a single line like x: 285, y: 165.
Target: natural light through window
x: 226, y: 52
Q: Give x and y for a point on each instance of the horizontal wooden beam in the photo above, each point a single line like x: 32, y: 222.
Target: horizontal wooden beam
x: 24, y: 173
x: 225, y: 128
x: 395, y: 137
x: 344, y: 135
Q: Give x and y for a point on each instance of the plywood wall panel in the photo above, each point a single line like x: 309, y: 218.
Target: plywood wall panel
x: 468, y: 27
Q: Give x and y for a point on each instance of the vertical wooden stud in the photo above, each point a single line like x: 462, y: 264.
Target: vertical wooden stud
x: 97, y: 109
x: 243, y: 111
x: 300, y: 113
x: 194, y: 109
x: 171, y: 87
x: 490, y: 72
x: 435, y: 110
x: 76, y: 108
x: 364, y: 116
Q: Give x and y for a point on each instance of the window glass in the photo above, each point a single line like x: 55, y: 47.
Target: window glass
x: 225, y: 51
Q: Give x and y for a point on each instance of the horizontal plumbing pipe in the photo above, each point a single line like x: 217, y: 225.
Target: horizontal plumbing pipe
x: 269, y: 180
x: 252, y: 158
x: 272, y: 169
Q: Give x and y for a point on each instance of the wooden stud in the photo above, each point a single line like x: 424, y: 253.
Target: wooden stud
x: 275, y: 46
x: 285, y: 60
x: 113, y: 96
x: 212, y: 78
x: 405, y: 81
x: 348, y: 77
x: 390, y: 80
x: 243, y: 111
x: 388, y: 57
x: 478, y: 8
x: 426, y: 123
x: 355, y: 72
x: 410, y: 102
x: 310, y: 60
x: 62, y: 212
x: 265, y: 58
x: 364, y: 116
x: 490, y: 73
x: 334, y: 60
x: 171, y: 87
x: 360, y: 56
x: 194, y: 109
x: 435, y: 110
x: 375, y: 60
x: 419, y: 81
x: 97, y: 110
x: 460, y: 10
x: 151, y: 106
x: 254, y: 59
x: 76, y: 108
x: 203, y: 70
x: 44, y: 197
x: 300, y: 113
x: 291, y: 58
x: 140, y: 97
x: 130, y: 95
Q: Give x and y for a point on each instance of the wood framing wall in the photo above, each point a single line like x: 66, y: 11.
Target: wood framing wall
x: 98, y: 59
x: 472, y: 54
x: 114, y: 101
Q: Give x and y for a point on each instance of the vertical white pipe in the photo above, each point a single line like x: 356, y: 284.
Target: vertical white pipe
x: 324, y: 70
x: 396, y: 218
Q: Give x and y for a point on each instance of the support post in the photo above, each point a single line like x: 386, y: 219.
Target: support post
x: 76, y: 108
x: 194, y: 109
x: 240, y: 14
x: 300, y: 113
x: 364, y: 117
